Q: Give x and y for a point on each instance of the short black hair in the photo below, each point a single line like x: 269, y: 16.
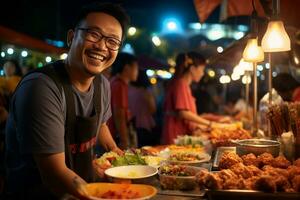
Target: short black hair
x: 111, y: 9
x: 120, y: 62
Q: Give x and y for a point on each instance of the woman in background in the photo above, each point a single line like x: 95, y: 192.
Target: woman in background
x: 180, y: 107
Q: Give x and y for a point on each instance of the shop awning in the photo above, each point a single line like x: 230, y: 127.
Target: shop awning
x: 19, y: 39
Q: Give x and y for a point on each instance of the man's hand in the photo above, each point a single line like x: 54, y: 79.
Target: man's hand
x: 118, y: 151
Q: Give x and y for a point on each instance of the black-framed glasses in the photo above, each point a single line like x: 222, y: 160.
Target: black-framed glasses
x: 95, y: 36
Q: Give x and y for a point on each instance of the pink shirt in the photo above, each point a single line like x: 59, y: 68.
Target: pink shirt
x: 178, y: 97
x: 139, y: 109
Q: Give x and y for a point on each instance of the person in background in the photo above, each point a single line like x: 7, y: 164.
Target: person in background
x: 124, y: 70
x: 287, y: 87
x: 179, y: 105
x: 59, y: 112
x: 142, y: 107
x: 13, y: 75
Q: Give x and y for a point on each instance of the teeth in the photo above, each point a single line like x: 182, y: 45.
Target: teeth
x: 96, y: 56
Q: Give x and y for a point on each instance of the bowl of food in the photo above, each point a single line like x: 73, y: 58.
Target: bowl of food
x: 131, y: 173
x: 178, y: 177
x: 257, y: 147
x: 100, y: 191
x: 189, y: 158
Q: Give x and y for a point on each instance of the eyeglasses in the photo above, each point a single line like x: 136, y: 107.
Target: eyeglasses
x: 95, y: 36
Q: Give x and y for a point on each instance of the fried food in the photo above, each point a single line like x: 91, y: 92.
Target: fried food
x: 250, y: 159
x: 265, y: 159
x: 209, y: 180
x: 293, y: 171
x: 272, y: 171
x: 249, y: 183
x: 281, y: 162
x: 265, y: 183
x: 297, y: 162
x: 229, y: 159
x: 296, y: 183
x: 254, y: 170
x: 241, y: 170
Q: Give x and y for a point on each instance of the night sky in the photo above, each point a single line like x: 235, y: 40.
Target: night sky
x: 52, y: 18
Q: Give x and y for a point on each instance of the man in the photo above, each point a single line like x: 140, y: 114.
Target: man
x: 124, y: 70
x: 57, y: 112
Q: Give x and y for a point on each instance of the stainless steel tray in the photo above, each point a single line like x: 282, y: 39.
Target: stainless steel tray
x: 219, y: 153
x: 250, y: 195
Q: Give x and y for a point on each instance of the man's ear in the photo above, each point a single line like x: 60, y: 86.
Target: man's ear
x: 70, y: 37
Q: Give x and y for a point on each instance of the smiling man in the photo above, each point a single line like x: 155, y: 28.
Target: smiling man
x: 58, y: 112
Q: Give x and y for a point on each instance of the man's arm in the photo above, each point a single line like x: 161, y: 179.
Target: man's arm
x: 106, y: 139
x: 58, y: 177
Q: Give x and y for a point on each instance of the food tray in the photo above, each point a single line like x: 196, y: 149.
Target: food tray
x: 249, y: 195
x: 219, y: 153
x: 191, y: 193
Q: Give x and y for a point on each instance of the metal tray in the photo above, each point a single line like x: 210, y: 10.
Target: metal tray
x: 249, y: 195
x: 219, y: 153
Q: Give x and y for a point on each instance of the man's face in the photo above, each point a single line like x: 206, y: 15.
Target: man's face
x: 94, y: 57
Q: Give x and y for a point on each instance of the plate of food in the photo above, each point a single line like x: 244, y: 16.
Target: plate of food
x: 100, y: 191
x: 178, y: 177
x: 131, y: 172
x: 187, y: 158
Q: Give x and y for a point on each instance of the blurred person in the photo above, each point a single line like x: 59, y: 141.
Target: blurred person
x: 287, y: 87
x: 179, y: 105
x: 13, y: 74
x: 59, y: 112
x: 124, y: 70
x: 142, y: 107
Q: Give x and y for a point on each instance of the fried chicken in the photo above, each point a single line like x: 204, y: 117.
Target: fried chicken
x: 241, y: 170
x: 250, y: 159
x: 209, y: 180
x: 297, y: 162
x: 265, y: 183
x: 296, y: 183
x: 280, y: 162
x: 293, y: 171
x: 228, y: 159
x: 265, y: 159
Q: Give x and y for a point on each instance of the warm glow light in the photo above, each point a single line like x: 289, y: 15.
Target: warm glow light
x: 225, y: 79
x: 172, y: 70
x: 220, y: 49
x: 63, y: 56
x: 253, y: 52
x: 246, y: 66
x: 246, y: 79
x: 156, y: 41
x: 276, y: 39
x: 235, y: 76
x: 211, y: 73
x: 131, y: 31
x: 153, y: 81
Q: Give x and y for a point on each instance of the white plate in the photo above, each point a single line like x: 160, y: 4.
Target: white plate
x: 205, y: 158
x: 131, y: 172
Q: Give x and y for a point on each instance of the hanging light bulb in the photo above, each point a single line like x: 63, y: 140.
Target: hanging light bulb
x: 276, y: 39
x: 253, y: 52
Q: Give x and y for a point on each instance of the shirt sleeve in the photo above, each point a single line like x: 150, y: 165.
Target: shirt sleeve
x: 39, y: 116
x: 107, y: 101
x: 181, y: 97
x: 119, y: 96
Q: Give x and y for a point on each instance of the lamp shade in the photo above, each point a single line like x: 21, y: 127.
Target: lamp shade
x: 276, y: 39
x: 253, y: 52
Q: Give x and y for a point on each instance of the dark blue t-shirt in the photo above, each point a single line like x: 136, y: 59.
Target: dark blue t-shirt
x: 36, y: 124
